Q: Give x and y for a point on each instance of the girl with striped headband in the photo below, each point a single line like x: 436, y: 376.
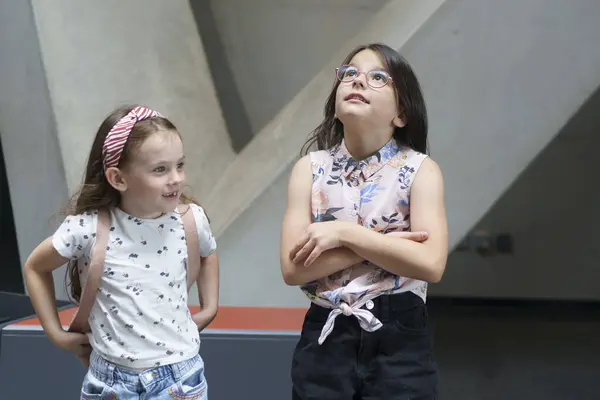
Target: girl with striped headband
x: 134, y: 245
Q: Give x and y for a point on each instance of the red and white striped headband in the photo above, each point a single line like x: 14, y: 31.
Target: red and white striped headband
x: 118, y: 135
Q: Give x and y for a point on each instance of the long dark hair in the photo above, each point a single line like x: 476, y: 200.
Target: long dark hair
x: 96, y: 193
x: 410, y: 100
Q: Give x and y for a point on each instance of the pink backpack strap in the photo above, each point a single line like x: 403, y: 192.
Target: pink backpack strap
x: 92, y: 283
x: 96, y: 268
x: 193, y: 246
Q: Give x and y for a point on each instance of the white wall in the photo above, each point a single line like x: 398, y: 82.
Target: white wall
x: 500, y: 78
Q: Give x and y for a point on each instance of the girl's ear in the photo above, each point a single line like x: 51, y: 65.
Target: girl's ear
x: 116, y: 178
x: 399, y: 120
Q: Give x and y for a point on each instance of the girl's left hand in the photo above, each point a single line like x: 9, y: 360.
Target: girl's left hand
x: 318, y: 238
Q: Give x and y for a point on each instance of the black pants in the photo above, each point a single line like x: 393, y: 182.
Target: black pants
x: 393, y: 363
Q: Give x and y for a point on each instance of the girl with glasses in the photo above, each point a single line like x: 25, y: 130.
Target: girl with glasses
x: 364, y: 233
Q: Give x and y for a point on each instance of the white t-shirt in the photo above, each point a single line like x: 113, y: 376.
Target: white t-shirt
x: 140, y: 318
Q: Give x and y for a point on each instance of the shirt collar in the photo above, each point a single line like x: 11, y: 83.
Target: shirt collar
x: 367, y: 166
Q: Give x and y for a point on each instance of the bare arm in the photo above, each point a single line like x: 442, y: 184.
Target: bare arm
x: 425, y: 261
x: 38, y: 278
x: 208, y: 291
x: 295, y: 221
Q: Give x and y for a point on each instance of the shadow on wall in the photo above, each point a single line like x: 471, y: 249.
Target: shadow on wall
x: 551, y: 213
x: 234, y: 113
x: 11, y: 279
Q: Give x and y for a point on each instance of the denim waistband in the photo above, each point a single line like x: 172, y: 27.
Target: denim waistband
x: 109, y: 372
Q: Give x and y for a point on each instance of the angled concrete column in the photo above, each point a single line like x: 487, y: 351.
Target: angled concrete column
x: 112, y: 52
x: 65, y: 64
x: 275, y: 47
x: 279, y: 142
x: 501, y: 78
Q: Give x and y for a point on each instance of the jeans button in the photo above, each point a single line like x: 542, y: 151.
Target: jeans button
x: 370, y: 304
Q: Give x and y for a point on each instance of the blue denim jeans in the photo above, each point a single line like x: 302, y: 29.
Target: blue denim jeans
x: 107, y: 381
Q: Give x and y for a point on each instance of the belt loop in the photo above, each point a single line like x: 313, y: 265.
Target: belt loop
x: 384, y: 312
x: 109, y: 370
x: 175, y: 370
x: 112, y: 375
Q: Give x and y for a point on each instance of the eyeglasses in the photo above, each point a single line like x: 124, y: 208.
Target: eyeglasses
x: 375, y: 78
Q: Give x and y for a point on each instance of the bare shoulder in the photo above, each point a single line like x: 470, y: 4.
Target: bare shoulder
x: 427, y: 197
x: 429, y: 175
x: 299, y: 192
x: 431, y: 167
x: 301, y: 171
x: 427, y: 191
x: 303, y: 164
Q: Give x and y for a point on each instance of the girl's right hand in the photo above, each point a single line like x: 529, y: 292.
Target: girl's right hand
x: 75, y: 343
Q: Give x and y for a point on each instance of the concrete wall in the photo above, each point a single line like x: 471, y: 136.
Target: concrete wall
x: 278, y: 143
x: 275, y: 47
x: 234, y: 112
x: 551, y: 211
x: 523, y: 80
x: 113, y: 52
x: 11, y: 275
x: 36, y: 177
x: 501, y: 79
x: 249, y: 255
x: 66, y: 64
x: 462, y: 53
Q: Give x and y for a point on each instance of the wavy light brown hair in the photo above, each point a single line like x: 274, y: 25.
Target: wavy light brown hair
x: 411, y: 105
x: 96, y: 193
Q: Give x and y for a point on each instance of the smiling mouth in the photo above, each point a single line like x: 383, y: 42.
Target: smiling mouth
x: 171, y: 195
x: 356, y: 96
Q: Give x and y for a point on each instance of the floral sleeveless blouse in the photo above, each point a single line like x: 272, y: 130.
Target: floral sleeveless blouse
x: 374, y: 192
